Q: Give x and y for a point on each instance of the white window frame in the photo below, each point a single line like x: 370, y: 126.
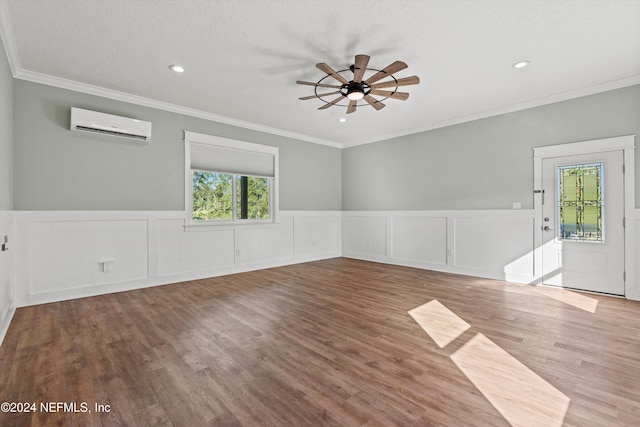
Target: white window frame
x: 232, y: 144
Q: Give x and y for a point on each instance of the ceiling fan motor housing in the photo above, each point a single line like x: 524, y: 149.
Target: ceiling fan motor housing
x: 353, y: 87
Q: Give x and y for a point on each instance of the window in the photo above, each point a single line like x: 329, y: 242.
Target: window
x: 229, y: 181
x: 213, y: 196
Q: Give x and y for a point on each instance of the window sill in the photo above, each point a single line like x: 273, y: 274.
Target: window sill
x: 227, y: 225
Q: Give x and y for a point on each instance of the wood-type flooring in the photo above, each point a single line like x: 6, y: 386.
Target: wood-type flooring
x: 327, y: 343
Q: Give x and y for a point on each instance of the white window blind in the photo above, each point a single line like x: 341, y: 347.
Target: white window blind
x: 215, y: 158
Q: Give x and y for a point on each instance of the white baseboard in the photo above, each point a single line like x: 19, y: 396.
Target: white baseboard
x: 95, y: 290
x: 5, y: 321
x: 486, y: 274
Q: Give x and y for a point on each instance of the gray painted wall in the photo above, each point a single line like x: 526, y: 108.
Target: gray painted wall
x: 55, y: 169
x: 484, y: 164
x: 6, y: 132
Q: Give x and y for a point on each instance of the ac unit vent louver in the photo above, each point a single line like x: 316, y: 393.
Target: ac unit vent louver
x: 108, y: 124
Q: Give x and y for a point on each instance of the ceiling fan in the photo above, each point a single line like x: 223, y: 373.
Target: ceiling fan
x: 360, y: 87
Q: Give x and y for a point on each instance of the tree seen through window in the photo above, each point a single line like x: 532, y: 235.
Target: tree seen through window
x: 213, y: 196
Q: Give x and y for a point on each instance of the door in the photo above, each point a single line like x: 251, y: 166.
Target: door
x: 583, y: 222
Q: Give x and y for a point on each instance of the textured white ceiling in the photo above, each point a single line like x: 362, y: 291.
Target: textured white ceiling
x: 242, y: 57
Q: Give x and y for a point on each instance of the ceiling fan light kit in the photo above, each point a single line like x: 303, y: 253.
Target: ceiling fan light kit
x: 359, y: 87
x: 355, y: 91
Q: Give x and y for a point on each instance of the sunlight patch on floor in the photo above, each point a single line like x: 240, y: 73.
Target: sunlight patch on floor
x: 440, y: 323
x: 522, y: 397
x: 575, y: 299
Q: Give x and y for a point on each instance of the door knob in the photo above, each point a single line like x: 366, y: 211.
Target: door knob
x: 546, y: 228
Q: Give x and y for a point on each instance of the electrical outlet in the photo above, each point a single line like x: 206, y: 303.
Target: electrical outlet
x: 106, y: 264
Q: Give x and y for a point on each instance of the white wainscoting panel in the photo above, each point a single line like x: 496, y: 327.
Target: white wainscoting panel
x: 60, y: 255
x: 632, y: 284
x: 187, y: 252
x: 495, y: 244
x: 366, y: 235
x: 316, y: 235
x: 69, y: 254
x: 421, y: 239
x: 265, y: 245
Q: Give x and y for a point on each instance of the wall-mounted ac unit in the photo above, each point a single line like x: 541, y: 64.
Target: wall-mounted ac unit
x: 108, y: 124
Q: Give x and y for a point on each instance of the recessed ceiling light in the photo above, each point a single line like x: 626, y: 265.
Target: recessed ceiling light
x: 342, y: 120
x: 176, y: 68
x: 521, y: 64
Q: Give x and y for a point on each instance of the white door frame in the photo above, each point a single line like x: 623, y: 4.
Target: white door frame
x: 626, y: 144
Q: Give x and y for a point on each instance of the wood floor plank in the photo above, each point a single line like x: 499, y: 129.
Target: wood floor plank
x: 327, y: 343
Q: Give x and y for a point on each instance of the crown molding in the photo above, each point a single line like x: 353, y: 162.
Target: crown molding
x: 9, y: 41
x: 538, y: 102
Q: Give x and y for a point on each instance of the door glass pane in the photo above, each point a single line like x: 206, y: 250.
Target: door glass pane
x: 581, y: 202
x: 568, y: 183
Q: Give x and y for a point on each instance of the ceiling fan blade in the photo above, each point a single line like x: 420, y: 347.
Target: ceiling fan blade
x: 352, y: 107
x: 324, y: 67
x: 406, y: 81
x: 304, y: 98
x: 374, y: 102
x: 329, y: 104
x: 359, y: 67
x: 318, y: 84
x: 388, y: 70
x: 402, y: 96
